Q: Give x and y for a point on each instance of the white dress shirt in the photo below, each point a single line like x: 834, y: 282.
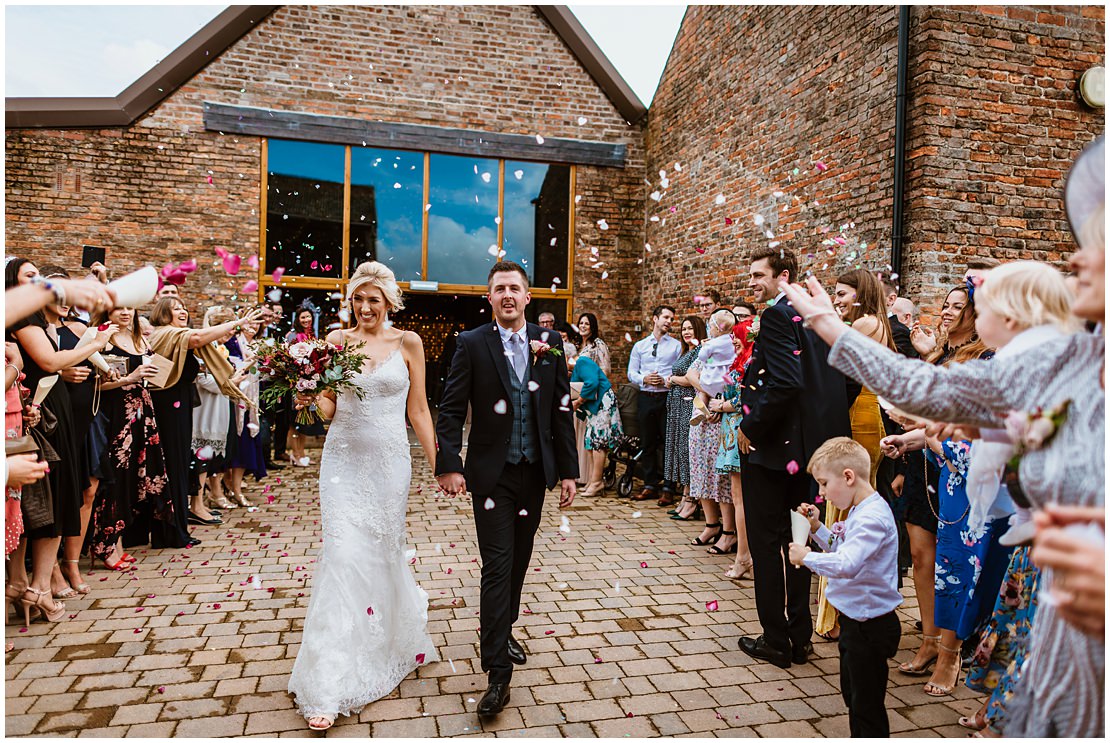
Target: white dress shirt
x: 507, y: 344
x: 649, y: 355
x: 862, y: 565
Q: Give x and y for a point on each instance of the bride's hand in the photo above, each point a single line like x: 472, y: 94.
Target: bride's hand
x: 303, y: 401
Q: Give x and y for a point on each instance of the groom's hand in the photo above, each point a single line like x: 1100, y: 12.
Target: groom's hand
x: 452, y: 483
x: 567, y: 495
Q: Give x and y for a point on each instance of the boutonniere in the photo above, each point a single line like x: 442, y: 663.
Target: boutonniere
x: 836, y: 531
x: 541, y: 349
x: 1031, y: 430
x: 753, y: 331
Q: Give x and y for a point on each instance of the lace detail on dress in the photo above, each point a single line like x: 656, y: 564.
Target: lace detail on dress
x: 366, y: 627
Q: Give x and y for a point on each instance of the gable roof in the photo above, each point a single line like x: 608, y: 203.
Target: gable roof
x: 183, y: 63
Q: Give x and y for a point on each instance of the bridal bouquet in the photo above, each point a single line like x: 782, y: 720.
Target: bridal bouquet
x: 306, y: 367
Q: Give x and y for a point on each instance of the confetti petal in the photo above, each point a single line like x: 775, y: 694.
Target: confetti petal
x: 792, y: 467
x: 711, y: 605
x: 277, y: 274
x: 250, y: 287
x: 231, y: 264
x: 488, y: 505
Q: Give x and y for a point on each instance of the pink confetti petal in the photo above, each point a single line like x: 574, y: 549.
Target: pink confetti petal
x: 231, y: 264
x: 792, y: 467
x: 250, y: 287
x: 177, y: 278
x: 821, y: 167
x: 549, y: 632
x: 369, y: 611
x: 222, y: 253
x: 161, y: 690
x: 643, y: 564
x: 277, y: 274
x: 253, y: 262
x: 314, y: 265
x: 187, y: 266
x: 420, y: 658
x: 711, y: 605
x: 327, y: 267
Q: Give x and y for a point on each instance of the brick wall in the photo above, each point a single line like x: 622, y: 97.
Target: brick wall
x: 995, y: 124
x: 165, y: 189
x: 782, y: 115
x: 751, y: 94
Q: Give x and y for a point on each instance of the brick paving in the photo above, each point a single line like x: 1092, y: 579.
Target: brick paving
x: 200, y: 642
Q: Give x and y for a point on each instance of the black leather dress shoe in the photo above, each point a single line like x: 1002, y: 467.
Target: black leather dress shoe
x: 801, y: 655
x: 274, y: 466
x: 494, y: 700
x: 192, y: 541
x: 758, y: 648
x: 516, y: 652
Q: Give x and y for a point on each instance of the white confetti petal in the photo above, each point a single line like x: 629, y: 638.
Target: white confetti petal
x: 602, y: 224
x: 533, y: 386
x: 637, y: 514
x: 518, y: 174
x: 582, y: 120
x: 720, y: 199
x: 500, y: 407
x: 758, y: 219
x: 488, y: 505
x: 486, y: 177
x: 539, y: 139
x: 565, y: 525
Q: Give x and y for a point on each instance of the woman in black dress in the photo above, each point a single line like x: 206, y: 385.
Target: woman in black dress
x: 130, y: 467
x: 173, y: 408
x: 81, y: 382
x: 38, y: 343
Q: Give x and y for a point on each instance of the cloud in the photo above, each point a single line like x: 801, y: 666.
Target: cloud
x: 456, y: 256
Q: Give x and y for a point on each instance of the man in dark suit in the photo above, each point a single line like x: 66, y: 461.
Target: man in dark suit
x: 513, y: 376
x: 793, y: 401
x: 899, y: 328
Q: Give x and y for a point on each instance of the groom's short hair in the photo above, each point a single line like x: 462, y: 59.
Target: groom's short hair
x: 779, y: 259
x: 505, y: 267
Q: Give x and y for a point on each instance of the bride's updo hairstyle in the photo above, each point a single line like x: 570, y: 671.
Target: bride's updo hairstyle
x: 379, y: 275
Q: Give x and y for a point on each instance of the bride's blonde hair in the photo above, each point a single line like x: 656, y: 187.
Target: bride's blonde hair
x: 378, y: 275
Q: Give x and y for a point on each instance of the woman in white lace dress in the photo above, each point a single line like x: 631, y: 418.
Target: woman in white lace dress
x: 366, y: 628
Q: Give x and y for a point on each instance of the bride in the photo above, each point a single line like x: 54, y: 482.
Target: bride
x: 366, y: 627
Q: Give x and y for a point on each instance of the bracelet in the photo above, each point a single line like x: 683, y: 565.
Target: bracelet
x: 58, y: 292
x: 808, y: 321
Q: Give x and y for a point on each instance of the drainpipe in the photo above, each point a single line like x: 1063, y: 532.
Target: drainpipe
x: 900, y: 139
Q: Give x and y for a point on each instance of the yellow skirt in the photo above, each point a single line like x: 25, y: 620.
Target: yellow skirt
x: 867, y: 429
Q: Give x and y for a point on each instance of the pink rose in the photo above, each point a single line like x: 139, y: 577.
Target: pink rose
x: 1039, y: 431
x: 1016, y: 424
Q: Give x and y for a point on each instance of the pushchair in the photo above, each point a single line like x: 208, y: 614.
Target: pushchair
x: 627, y: 450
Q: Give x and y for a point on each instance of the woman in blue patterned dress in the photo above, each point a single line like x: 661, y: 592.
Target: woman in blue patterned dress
x: 680, y: 406
x: 728, y: 453
x: 970, y: 563
x: 598, y: 404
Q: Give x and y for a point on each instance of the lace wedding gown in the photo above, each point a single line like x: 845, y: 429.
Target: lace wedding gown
x: 366, y: 628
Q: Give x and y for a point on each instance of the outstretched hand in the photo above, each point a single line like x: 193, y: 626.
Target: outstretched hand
x: 810, y: 299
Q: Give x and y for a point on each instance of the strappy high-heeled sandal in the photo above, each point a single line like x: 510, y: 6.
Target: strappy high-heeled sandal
x: 52, y: 614
x: 910, y: 669
x: 326, y: 722
x: 82, y: 587
x: 746, y: 569
x: 697, y: 540
x: 241, y: 500
x: 13, y: 594
x: 715, y: 550
x: 936, y: 690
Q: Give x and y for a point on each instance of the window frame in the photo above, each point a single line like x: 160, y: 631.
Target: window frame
x: 566, y: 291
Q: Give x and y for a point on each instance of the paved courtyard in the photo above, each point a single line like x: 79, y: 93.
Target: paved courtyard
x: 199, y: 643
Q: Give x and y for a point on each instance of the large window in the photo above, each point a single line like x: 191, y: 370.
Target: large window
x: 432, y: 217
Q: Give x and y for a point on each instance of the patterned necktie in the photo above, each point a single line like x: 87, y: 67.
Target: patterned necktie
x: 520, y: 358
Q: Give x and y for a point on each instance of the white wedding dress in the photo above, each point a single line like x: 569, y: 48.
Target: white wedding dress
x: 366, y: 628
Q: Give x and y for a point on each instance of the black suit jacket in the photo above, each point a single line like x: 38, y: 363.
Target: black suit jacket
x: 792, y: 400
x: 901, y: 336
x: 479, y: 377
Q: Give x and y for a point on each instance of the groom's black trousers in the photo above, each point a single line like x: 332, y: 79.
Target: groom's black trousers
x: 505, y: 540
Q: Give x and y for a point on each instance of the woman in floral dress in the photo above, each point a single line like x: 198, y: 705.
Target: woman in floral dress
x: 598, y: 404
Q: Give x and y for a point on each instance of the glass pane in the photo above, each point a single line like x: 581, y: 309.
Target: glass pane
x: 304, y: 208
x: 324, y: 303
x: 537, y: 218
x: 462, y: 223
x: 387, y: 201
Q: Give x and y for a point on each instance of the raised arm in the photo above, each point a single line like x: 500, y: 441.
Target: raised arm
x: 35, y: 343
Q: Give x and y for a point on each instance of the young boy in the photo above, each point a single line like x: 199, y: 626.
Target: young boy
x: 861, y: 563
x: 715, y: 357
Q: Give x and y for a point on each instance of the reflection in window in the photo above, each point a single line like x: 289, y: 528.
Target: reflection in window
x: 462, y: 223
x: 537, y: 220
x: 387, y: 200
x: 323, y: 303
x: 304, y: 208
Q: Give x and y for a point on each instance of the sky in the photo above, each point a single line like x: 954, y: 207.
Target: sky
x: 98, y: 50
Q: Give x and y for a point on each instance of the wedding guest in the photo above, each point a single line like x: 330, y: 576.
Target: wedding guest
x: 858, y: 297
x: 707, y: 303
x: 130, y: 467
x: 792, y: 403
x: 728, y: 452
x: 173, y: 339
x: 979, y: 265
x: 924, y: 340
x: 546, y: 320
x: 25, y: 299
x: 898, y: 318
x: 707, y: 485
x: 571, y: 341
x: 598, y: 403
x: 744, y: 310
x: 680, y: 406
x: 37, y: 342
x: 304, y: 329
x: 81, y: 384
x: 715, y: 357
x: 1020, y: 306
x: 248, y: 455
x: 1077, y: 562
x: 860, y: 560
x: 651, y: 358
x: 592, y: 344
x: 213, y: 431
x: 275, y: 426
x: 1061, y: 690
x: 168, y: 290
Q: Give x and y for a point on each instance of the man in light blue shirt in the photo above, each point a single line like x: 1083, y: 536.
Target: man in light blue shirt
x: 648, y: 366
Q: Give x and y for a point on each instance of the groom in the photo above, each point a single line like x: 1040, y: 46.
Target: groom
x: 513, y: 375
